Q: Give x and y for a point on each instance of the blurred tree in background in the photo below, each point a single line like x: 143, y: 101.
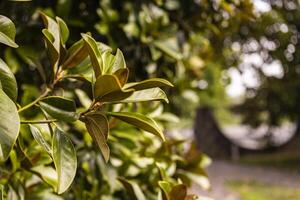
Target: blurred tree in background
x: 274, y: 36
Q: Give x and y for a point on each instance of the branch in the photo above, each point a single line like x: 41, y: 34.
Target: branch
x: 35, y: 101
x: 38, y: 121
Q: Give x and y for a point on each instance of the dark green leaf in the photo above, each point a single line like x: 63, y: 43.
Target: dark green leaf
x: 59, y: 108
x: 140, y: 121
x: 9, y: 125
x: 94, y: 54
x: 65, y: 161
x: 7, y: 32
x: 75, y: 55
x: 149, y: 83
x: 8, y: 81
x: 53, y: 53
x: 97, y: 125
x: 133, y: 189
x: 108, y: 88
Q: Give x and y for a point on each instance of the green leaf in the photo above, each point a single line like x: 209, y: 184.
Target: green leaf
x: 75, y: 55
x: 65, y: 161
x: 165, y: 186
x: 119, y: 62
x: 199, y: 179
x: 149, y: 83
x: 140, y: 121
x: 48, y: 174
x: 178, y: 192
x: 133, y: 189
x: 8, y: 81
x: 169, y: 47
x: 152, y: 94
x: 59, y: 108
x: 9, y: 125
x: 94, y: 53
x: 97, y: 125
x: 53, y: 29
x: 53, y: 53
x: 108, y: 88
x: 38, y: 136
x: 7, y: 32
x: 64, y: 31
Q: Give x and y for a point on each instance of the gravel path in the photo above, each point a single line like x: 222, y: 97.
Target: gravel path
x: 221, y: 171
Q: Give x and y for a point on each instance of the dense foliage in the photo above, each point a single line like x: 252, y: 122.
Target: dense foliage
x: 38, y: 159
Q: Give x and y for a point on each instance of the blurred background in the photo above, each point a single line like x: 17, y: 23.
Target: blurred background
x: 235, y: 65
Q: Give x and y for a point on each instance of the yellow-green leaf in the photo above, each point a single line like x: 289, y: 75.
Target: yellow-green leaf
x: 38, y: 136
x: 65, y: 160
x: 94, y: 53
x: 9, y: 125
x: 63, y: 29
x: 8, y: 81
x: 140, y: 121
x: 149, y: 83
x: 7, y: 32
x: 97, y: 125
x: 108, y: 88
x: 152, y: 94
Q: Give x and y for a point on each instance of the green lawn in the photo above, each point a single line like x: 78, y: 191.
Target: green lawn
x: 279, y: 160
x: 257, y: 191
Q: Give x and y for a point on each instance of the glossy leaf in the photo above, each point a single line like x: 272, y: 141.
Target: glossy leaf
x: 75, y: 55
x: 140, y: 121
x: 65, y: 161
x: 149, y: 83
x: 7, y: 32
x: 8, y: 81
x: 97, y: 125
x: 152, y: 94
x: 132, y: 189
x: 38, y: 136
x: 64, y: 31
x: 94, y: 54
x: 52, y: 28
x: 59, y: 108
x: 108, y: 88
x: 53, y: 53
x: 9, y: 125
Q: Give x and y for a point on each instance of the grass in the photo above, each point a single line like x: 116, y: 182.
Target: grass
x: 251, y: 190
x: 279, y: 160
